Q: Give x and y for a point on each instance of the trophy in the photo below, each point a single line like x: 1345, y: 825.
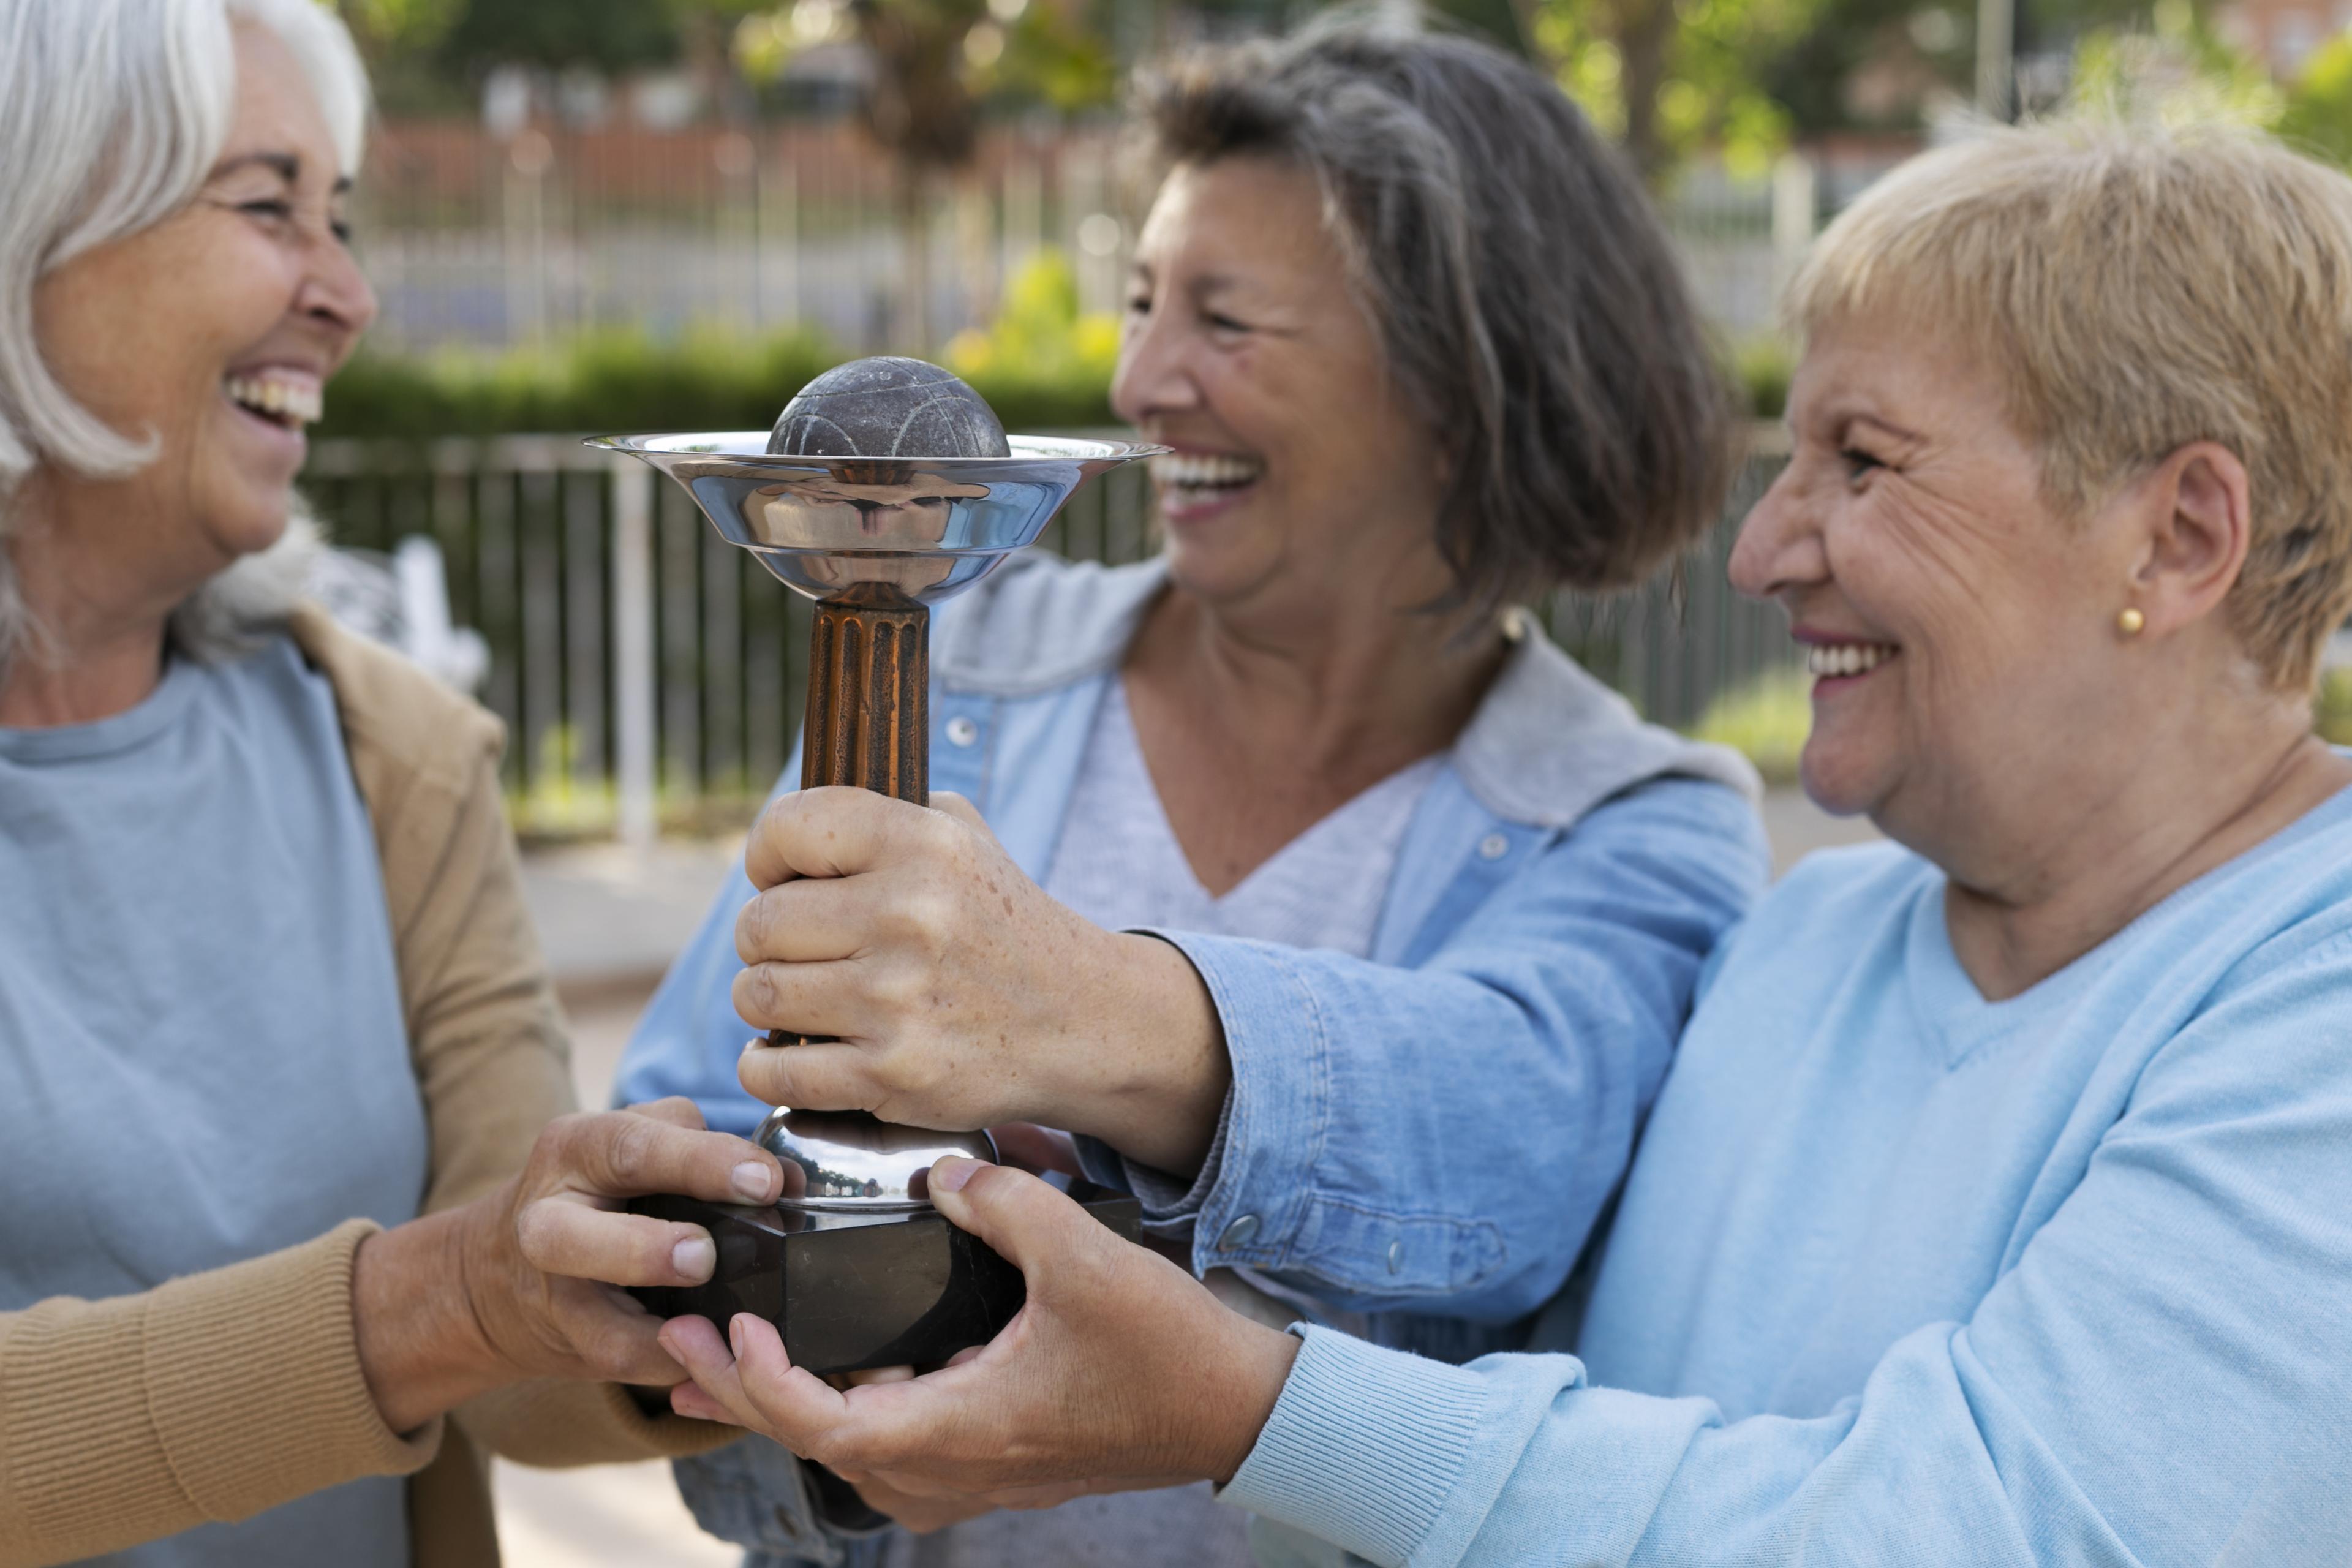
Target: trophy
x: 887, y: 486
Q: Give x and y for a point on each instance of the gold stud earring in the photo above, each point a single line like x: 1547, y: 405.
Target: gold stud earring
x: 2130, y: 621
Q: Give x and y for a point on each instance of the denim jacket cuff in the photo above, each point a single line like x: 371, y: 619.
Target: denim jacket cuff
x: 755, y: 1494
x: 1172, y: 1205
x: 1254, y: 1190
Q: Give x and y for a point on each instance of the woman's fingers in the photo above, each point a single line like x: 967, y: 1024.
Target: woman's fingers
x: 621, y: 1155
x: 826, y: 997
x: 676, y: 1109
x: 830, y: 832
x: 1036, y: 1228
x: 804, y: 922
x: 819, y: 1076
x: 563, y: 1237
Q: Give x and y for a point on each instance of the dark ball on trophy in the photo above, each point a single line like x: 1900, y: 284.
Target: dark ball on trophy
x: 888, y: 407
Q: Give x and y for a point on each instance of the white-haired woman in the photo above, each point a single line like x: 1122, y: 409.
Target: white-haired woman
x: 1995, y: 1210
x: 266, y: 991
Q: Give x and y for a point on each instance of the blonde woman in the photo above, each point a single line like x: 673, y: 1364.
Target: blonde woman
x: 283, y: 1247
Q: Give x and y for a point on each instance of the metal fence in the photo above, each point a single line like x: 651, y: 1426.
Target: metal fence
x: 650, y: 673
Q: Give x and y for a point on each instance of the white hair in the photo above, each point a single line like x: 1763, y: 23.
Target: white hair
x: 112, y: 113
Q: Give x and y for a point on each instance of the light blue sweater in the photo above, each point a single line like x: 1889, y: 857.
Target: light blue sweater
x: 1902, y: 1276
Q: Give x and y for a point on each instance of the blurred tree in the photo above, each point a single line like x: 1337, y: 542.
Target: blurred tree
x: 611, y: 36
x: 934, y: 64
x: 1666, y: 76
x: 2316, y: 116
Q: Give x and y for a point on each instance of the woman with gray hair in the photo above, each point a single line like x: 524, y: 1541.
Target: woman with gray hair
x: 284, y: 1251
x: 1305, y: 805
x: 1996, y: 1209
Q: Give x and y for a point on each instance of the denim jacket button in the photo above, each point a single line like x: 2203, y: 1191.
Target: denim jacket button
x: 1493, y: 847
x: 1396, y: 1257
x: 961, y: 730
x: 1238, y: 1234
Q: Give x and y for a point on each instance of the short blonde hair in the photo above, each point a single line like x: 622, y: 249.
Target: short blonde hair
x: 2137, y: 288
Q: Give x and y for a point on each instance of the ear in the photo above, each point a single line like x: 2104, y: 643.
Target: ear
x: 2200, y: 518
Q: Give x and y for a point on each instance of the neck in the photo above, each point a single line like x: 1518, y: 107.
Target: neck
x: 2183, y: 799
x: 91, y: 645
x: 1351, y: 685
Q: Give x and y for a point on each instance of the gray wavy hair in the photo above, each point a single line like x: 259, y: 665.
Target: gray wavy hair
x: 1522, y: 286
x: 112, y: 113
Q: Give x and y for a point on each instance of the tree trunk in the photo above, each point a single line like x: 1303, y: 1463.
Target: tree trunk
x: 910, y: 312
x: 1645, y: 30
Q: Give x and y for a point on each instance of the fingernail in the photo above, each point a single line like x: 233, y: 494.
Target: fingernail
x: 753, y: 1180
x: 951, y: 1173
x: 735, y: 1335
x: 694, y: 1258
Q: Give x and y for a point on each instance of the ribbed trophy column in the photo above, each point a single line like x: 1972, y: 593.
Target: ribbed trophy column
x: 869, y: 702
x: 869, y: 720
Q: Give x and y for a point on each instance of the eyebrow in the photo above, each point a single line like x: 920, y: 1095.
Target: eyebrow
x: 288, y: 166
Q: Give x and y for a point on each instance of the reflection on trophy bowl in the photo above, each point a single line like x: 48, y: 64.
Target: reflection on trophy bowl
x: 924, y: 527
x: 852, y: 1160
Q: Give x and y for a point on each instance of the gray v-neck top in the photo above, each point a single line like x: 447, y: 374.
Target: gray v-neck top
x: 203, y: 1056
x: 1118, y: 863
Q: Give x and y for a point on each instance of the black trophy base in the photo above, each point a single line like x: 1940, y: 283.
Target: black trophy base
x: 853, y: 1291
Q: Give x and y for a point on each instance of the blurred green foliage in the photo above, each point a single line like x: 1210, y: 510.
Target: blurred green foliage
x: 2317, y: 116
x: 1765, y: 721
x: 2331, y: 707
x: 1762, y: 367
x: 1040, y: 355
x: 1041, y: 365
x: 607, y: 381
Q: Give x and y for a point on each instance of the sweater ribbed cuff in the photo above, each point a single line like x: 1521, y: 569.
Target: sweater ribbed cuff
x: 1363, y: 1447
x: 208, y: 1398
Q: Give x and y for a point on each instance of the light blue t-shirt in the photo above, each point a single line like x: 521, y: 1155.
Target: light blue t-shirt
x: 1902, y: 1275
x: 202, y: 1052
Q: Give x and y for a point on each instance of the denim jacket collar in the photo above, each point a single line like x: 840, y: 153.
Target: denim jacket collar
x: 1548, y: 743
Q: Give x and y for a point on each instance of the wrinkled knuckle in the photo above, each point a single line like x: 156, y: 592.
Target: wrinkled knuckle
x: 756, y: 995
x: 632, y: 1144
x: 755, y: 927
x: 932, y: 910
x: 536, y: 1230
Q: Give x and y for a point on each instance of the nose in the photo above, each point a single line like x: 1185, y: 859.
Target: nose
x: 1780, y: 545
x: 335, y: 294
x: 1152, y: 376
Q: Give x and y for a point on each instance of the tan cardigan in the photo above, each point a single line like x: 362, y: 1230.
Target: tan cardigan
x: 217, y: 1395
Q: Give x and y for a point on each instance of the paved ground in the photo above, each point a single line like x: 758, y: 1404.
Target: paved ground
x: 611, y: 921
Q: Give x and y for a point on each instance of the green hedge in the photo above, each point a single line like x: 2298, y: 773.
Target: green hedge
x: 624, y: 381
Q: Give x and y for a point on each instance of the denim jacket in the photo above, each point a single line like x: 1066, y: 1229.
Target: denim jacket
x: 1427, y: 1135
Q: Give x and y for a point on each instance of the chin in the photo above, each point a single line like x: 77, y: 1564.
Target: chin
x: 250, y: 527
x: 1840, y: 784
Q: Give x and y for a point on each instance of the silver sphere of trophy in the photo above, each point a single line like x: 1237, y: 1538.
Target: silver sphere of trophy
x: 887, y: 486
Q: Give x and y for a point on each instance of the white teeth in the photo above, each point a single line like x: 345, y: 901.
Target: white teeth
x: 1845, y: 658
x: 1190, y: 470
x: 290, y: 401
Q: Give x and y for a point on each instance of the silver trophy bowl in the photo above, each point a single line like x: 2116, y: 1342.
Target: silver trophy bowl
x: 925, y: 526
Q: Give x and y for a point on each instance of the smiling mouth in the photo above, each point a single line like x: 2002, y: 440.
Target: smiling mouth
x: 1840, y: 658
x: 1191, y: 479
x: 286, y: 403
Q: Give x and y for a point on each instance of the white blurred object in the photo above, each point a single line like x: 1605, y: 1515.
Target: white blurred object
x: 403, y: 600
